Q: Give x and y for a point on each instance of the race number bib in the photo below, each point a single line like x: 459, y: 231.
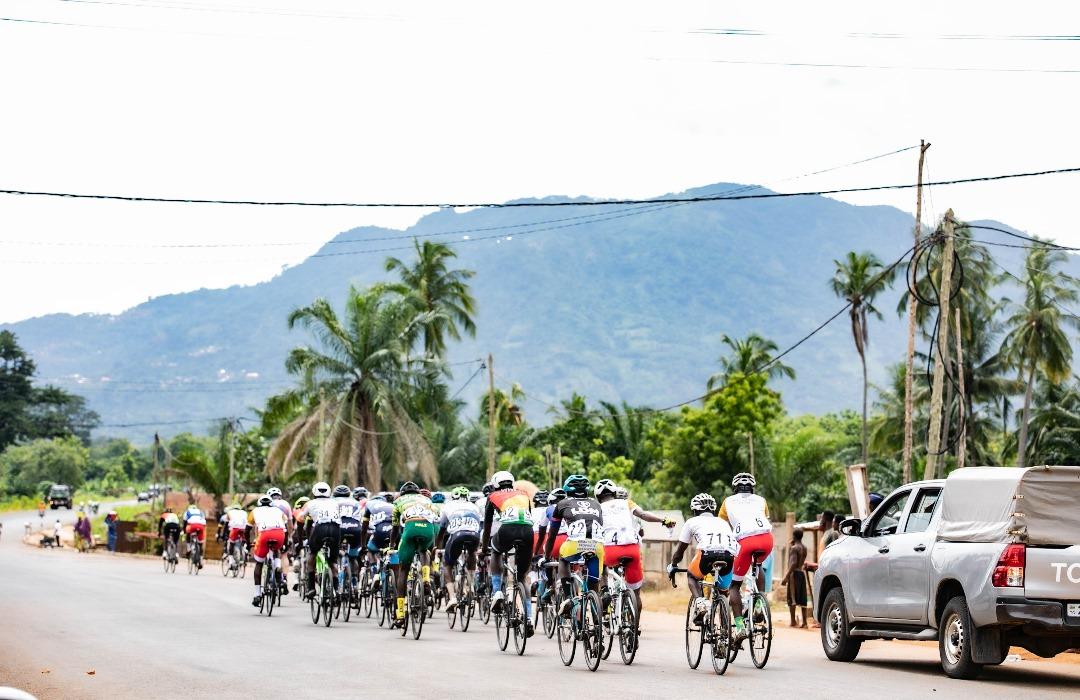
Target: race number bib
x: 460, y: 524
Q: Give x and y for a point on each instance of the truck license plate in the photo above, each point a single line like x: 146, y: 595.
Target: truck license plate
x: 1073, y: 609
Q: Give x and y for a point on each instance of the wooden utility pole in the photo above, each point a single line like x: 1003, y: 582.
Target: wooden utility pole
x: 750, y: 440
x: 941, y: 357
x: 559, y: 457
x: 909, y: 390
x: 157, y: 446
x: 232, y: 458
x: 320, y: 464
x: 961, y: 452
x: 491, y: 416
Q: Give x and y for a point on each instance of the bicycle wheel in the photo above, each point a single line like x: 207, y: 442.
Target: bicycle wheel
x: 451, y: 615
x: 381, y: 600
x: 314, y: 602
x: 567, y: 636
x: 592, y: 631
x: 347, y: 596
x: 466, y: 613
x: 502, y: 625
x: 628, y: 628
x: 720, y: 634
x: 695, y: 637
x: 550, y: 608
x: 164, y: 558
x: 366, y: 601
x: 190, y: 561
x: 225, y: 563
x: 198, y: 557
x: 417, y: 607
x: 326, y: 597
x: 760, y: 622
x: 519, y: 619
x: 243, y: 562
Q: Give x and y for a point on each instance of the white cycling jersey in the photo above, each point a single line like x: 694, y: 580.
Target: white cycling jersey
x: 748, y: 514
x: 349, y: 507
x: 620, y: 525
x: 236, y: 518
x: 321, y: 510
x: 709, y: 533
x: 268, y: 518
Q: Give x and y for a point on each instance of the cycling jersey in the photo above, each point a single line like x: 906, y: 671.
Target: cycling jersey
x: 547, y: 519
x: 539, y: 518
x: 378, y: 512
x: 194, y: 516
x: 748, y: 514
x: 170, y: 519
x: 321, y: 510
x: 282, y: 505
x: 267, y: 518
x: 709, y: 533
x: 620, y: 526
x: 482, y: 505
x: 349, y: 507
x: 236, y: 518
x: 513, y: 506
x: 460, y: 517
x: 583, y: 517
x: 413, y: 507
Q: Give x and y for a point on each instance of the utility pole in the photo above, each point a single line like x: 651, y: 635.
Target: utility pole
x: 232, y: 457
x: 750, y: 440
x: 559, y: 457
x: 909, y: 400
x: 961, y: 452
x: 942, y: 355
x: 320, y: 463
x: 157, y: 446
x: 491, y: 416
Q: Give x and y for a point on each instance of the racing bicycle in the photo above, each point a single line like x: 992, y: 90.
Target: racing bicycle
x: 512, y: 617
x: 584, y: 623
x: 322, y: 603
x: 620, y: 614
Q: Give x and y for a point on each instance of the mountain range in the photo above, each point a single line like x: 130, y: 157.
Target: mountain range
x: 615, y: 302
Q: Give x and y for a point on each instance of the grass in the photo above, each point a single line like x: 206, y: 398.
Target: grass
x: 123, y: 513
x: 11, y: 503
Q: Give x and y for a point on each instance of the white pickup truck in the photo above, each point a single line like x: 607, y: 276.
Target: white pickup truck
x: 986, y: 559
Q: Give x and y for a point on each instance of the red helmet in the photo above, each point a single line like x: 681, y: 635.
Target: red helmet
x: 425, y: 493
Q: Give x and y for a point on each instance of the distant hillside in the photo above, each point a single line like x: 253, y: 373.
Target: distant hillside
x: 613, y: 306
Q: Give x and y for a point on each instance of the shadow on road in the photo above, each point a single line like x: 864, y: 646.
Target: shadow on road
x: 1006, y: 673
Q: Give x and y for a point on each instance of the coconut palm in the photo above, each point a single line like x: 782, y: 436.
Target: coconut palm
x: 749, y: 354
x: 1055, y: 424
x: 859, y: 278
x: 1036, y: 342
x: 507, y: 406
x: 438, y: 291
x: 356, y: 388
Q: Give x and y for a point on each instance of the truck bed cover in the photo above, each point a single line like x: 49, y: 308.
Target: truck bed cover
x: 1036, y: 505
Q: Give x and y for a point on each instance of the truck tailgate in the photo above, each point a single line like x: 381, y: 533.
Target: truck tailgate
x: 1054, y: 573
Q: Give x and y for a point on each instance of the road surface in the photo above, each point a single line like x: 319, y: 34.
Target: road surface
x: 104, y: 626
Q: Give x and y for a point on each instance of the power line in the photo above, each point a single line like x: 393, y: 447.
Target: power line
x: 1032, y: 239
x: 871, y: 66
x: 468, y: 381
x: 533, y: 204
x: 729, y: 31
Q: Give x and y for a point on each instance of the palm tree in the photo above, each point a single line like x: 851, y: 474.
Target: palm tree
x: 355, y: 389
x: 507, y: 406
x: 210, y: 472
x: 1055, y: 424
x: 438, y: 291
x: 748, y: 355
x: 1036, y: 339
x: 859, y: 278
x: 628, y: 428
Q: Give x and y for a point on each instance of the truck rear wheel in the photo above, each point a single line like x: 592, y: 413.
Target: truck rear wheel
x: 836, y: 637
x: 955, y: 640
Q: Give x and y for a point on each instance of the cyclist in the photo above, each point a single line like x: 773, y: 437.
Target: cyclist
x: 413, y: 535
x: 539, y: 519
x: 270, y: 523
x: 350, y: 510
x: 361, y: 495
x: 515, y: 532
x: 714, y: 542
x: 584, y: 521
x: 556, y: 496
x: 621, y: 534
x: 279, y: 502
x: 322, y: 526
x: 234, y: 519
x: 297, y: 534
x: 459, y: 531
x: 748, y: 515
x: 194, y: 526
x: 169, y: 527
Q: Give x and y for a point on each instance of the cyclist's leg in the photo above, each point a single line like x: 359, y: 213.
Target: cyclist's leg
x: 524, y: 565
x: 406, y: 553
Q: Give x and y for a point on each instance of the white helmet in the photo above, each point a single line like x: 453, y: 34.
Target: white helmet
x: 503, y: 479
x: 321, y: 490
x: 744, y: 481
x: 605, y: 486
x: 273, y: 491
x: 702, y: 502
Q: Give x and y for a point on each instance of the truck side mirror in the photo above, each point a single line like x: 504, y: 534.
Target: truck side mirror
x: 852, y: 527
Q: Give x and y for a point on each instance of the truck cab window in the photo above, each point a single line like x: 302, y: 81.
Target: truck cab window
x: 888, y: 522
x: 923, y: 510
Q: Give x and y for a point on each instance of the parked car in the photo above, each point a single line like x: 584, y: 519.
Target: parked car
x: 59, y: 496
x: 986, y: 559
x: 142, y: 497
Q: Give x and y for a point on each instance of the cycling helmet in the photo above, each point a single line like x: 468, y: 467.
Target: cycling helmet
x: 605, y: 486
x: 502, y: 480
x: 438, y: 497
x: 265, y: 500
x: 623, y: 493
x: 273, y: 492
x: 460, y: 493
x: 556, y: 496
x: 875, y: 500
x: 300, y: 502
x: 342, y: 491
x: 409, y: 487
x: 540, y: 498
x: 360, y: 492
x: 703, y: 502
x: 577, y: 485
x: 487, y: 489
x: 743, y: 482
x: 378, y: 497
x: 321, y: 490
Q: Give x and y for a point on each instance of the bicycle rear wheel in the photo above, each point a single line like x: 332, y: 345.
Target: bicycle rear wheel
x: 608, y: 623
x: 315, y: 603
x: 502, y: 625
x: 165, y: 558
x: 628, y: 628
x: 695, y: 637
x: 550, y: 608
x: 417, y: 607
x: 466, y: 613
x: 326, y: 597
x: 592, y: 631
x: 347, y: 595
x: 761, y: 632
x: 566, y: 634
x: 720, y: 633
x: 243, y: 562
x: 519, y: 619
x: 225, y: 563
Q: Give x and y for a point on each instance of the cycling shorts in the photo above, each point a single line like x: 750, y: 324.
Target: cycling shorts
x: 761, y: 542
x: 268, y: 539
x: 559, y: 539
x: 416, y: 536
x: 329, y: 534
x: 172, y: 531
x: 458, y: 543
x: 702, y: 563
x: 633, y: 573
x: 236, y: 533
x: 198, y: 530
x: 569, y: 552
x: 380, y: 537
x: 350, y: 535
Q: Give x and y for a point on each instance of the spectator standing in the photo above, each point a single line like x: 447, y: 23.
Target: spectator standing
x: 57, y: 529
x: 83, y: 532
x: 795, y: 577
x: 825, y: 525
x: 110, y: 526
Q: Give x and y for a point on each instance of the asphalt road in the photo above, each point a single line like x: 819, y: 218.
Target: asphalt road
x: 97, y: 626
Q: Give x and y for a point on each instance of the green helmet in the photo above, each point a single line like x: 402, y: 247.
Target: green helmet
x: 577, y: 485
x: 460, y: 493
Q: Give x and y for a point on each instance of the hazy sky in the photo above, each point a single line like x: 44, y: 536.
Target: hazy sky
x: 291, y: 99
